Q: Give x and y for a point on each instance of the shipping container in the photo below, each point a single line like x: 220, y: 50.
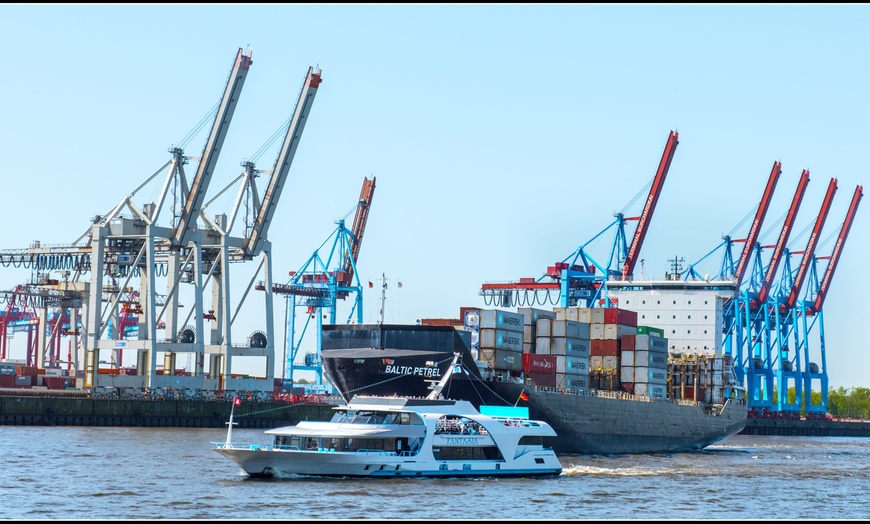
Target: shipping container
x: 625, y: 317
x: 542, y: 345
x: 470, y: 317
x: 627, y: 387
x: 605, y: 348
x: 626, y: 373
x: 566, y: 313
x: 650, y: 390
x: 572, y: 365
x: 569, y: 329
x: 7, y: 381
x: 650, y: 359
x: 501, y: 320
x: 569, y: 346
x: 544, y: 327
x: 24, y: 381
x: 544, y: 364
x: 647, y: 330
x: 7, y: 369
x: 584, y: 314
x: 626, y: 358
x: 565, y: 381
x: 501, y: 339
x: 648, y: 375
x: 651, y: 342
x: 628, y: 342
x: 531, y: 315
x: 545, y: 380
x: 507, y: 360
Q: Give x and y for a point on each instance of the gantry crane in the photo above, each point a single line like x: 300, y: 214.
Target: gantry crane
x: 789, y: 372
x: 320, y: 284
x: 759, y: 316
x: 117, y: 247
x: 812, y: 307
x: 579, y: 277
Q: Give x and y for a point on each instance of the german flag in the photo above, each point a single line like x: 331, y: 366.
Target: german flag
x: 523, y: 395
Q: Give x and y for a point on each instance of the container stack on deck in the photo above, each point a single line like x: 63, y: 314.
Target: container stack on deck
x: 588, y: 348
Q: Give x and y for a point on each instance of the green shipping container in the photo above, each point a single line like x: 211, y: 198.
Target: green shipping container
x: 647, y: 330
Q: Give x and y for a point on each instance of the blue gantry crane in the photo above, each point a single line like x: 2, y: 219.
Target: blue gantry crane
x: 579, y: 277
x: 319, y: 284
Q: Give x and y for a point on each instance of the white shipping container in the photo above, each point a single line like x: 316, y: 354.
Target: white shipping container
x: 566, y: 313
x: 596, y: 362
x: 542, y: 345
x: 626, y: 358
x: 501, y: 339
x: 584, y: 314
x: 610, y: 362
x: 611, y: 332
x: 597, y: 315
x: 596, y: 331
x: 718, y: 363
x: 626, y: 373
x: 529, y: 333
x: 544, y: 327
x: 501, y: 320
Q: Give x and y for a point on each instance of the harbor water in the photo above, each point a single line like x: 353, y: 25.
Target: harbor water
x: 91, y: 473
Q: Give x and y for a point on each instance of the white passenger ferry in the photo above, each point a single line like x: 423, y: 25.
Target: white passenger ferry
x: 404, y: 437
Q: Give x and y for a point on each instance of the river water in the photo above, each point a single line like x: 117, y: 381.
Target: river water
x: 172, y: 473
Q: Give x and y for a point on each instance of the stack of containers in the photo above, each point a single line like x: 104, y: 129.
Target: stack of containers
x: 698, y: 377
x: 470, y: 317
x: 607, y: 327
x: 501, y: 339
x: 650, y: 354
x: 7, y: 375
x: 627, y: 357
x: 568, y: 341
x: 530, y: 323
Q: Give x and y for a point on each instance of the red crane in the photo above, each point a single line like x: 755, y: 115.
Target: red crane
x: 752, y: 238
x: 764, y: 292
x: 651, y: 200
x: 838, y: 249
x: 810, y: 250
x: 357, y: 229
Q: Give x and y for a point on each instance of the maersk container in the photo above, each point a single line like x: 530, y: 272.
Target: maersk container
x: 648, y: 375
x: 501, y: 339
x: 569, y: 346
x: 650, y: 390
x: 564, y: 381
x: 531, y: 315
x: 651, y: 342
x: 650, y: 359
x: 502, y: 320
x: 569, y: 329
x: 533, y: 363
x: 572, y: 365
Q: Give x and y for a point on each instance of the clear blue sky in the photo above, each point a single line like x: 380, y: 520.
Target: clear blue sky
x: 502, y: 136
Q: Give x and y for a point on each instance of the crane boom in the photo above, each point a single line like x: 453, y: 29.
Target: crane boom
x: 787, y: 225
x: 649, y: 207
x: 838, y: 249
x: 809, y: 252
x: 213, y: 146
x: 359, y: 226
x: 282, y: 163
x: 760, y: 213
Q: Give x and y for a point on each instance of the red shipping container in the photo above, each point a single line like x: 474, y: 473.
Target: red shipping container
x: 7, y: 381
x: 628, y: 387
x: 628, y: 342
x: 626, y: 317
x: 535, y: 363
x: 603, y: 348
x: 544, y: 380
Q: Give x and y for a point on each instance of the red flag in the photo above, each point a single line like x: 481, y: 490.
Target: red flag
x: 523, y: 396
x: 238, y: 401
x: 370, y: 284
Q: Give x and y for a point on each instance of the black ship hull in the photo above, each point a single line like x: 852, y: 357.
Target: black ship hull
x: 587, y: 422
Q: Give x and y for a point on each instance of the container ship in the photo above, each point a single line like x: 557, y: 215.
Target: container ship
x: 605, y: 384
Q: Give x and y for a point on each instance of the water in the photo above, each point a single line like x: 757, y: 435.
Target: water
x: 171, y: 473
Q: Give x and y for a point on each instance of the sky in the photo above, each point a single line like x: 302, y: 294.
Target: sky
x: 501, y: 137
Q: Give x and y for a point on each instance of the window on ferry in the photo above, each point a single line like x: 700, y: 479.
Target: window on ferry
x: 531, y: 440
